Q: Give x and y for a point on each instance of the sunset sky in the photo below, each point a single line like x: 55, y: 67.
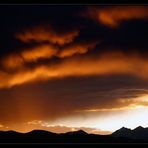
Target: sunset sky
x: 71, y: 67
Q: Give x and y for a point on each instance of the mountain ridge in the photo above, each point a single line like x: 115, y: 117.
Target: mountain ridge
x: 137, y: 133
x: 122, y: 135
x: 79, y: 136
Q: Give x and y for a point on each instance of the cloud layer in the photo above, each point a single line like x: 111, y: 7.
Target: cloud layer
x: 114, y: 15
x: 47, y: 33
x: 80, y: 61
x: 105, y: 64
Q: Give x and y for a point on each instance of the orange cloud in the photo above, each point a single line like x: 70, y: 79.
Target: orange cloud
x: 104, y: 64
x: 47, y: 33
x: 17, y: 60
x: 44, y: 51
x: 113, y: 15
x: 1, y: 126
x: 12, y: 61
x: 39, y: 52
x: 79, y: 48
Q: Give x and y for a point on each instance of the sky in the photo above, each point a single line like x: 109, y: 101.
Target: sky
x: 70, y: 67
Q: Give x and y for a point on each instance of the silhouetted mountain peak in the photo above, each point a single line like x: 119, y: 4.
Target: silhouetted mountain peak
x: 122, y: 132
x: 123, y: 135
x: 124, y: 129
x: 79, y: 132
x: 36, y: 130
x: 137, y: 133
x: 12, y: 132
x: 139, y: 128
x: 39, y: 132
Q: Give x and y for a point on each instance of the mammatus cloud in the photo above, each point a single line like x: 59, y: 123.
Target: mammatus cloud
x: 47, y: 34
x: 114, y: 15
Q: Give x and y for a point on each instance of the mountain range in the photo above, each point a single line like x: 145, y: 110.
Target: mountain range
x: 137, y: 133
x: 123, y: 135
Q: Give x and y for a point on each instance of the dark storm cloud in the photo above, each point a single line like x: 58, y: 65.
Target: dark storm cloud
x: 130, y: 33
x: 19, y: 17
x: 63, y: 98
x: 66, y: 58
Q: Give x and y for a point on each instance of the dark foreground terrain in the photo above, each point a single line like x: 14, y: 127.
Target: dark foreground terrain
x: 123, y: 135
